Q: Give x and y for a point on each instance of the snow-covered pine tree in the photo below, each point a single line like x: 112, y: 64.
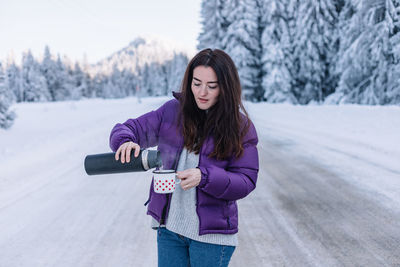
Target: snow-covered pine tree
x: 74, y: 91
x: 145, y: 77
x: 346, y: 15
x: 87, y: 79
x: 64, y: 83
x: 112, y: 84
x: 278, y: 51
x: 214, y: 24
x: 33, y: 82
x: 6, y: 116
x: 363, y: 55
x: 242, y: 43
x: 156, y: 79
x: 175, y: 69
x: 117, y: 80
x: 13, y: 79
x: 109, y: 88
x: 98, y: 84
x: 48, y: 68
x: 125, y: 80
x: 262, y: 21
x: 80, y: 81
x: 127, y: 83
x: 393, y: 20
x: 316, y: 45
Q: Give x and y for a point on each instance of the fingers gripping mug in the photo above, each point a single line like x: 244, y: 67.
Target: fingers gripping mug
x: 164, y: 181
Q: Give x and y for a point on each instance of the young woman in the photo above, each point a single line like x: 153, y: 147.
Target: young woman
x: 204, y: 135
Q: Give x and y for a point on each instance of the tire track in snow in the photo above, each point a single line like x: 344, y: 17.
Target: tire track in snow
x: 302, y: 214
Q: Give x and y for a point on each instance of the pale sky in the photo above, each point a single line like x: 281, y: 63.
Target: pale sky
x: 96, y: 28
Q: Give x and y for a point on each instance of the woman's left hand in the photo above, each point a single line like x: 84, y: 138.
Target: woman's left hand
x: 189, y: 178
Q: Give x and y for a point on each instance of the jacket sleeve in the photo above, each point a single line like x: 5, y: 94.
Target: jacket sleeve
x: 239, y: 178
x: 143, y: 130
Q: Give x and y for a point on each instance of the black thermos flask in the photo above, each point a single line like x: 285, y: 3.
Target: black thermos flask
x: 106, y: 163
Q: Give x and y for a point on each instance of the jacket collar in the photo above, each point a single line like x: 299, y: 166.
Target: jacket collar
x: 177, y: 95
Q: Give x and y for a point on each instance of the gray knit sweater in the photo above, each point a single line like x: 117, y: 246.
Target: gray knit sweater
x: 182, y: 216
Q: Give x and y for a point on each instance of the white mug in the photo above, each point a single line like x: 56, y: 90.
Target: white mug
x: 164, y: 181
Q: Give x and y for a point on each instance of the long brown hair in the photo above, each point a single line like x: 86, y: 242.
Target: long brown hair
x: 223, y: 121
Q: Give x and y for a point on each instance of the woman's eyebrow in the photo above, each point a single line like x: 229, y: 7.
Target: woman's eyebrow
x: 207, y: 82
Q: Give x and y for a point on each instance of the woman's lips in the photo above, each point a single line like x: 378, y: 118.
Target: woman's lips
x: 202, y: 100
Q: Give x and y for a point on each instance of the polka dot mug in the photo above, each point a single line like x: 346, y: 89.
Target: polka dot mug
x: 164, y: 181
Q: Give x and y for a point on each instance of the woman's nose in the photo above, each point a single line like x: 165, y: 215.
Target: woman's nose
x: 203, y: 90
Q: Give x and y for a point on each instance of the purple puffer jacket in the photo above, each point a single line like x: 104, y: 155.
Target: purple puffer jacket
x: 222, y: 182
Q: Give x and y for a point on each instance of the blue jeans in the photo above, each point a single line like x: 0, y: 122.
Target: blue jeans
x: 175, y: 250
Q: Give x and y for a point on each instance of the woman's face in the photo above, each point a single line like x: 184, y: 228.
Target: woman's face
x: 205, y: 87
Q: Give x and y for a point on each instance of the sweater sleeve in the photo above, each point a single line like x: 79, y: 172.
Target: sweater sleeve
x: 239, y: 178
x: 143, y: 130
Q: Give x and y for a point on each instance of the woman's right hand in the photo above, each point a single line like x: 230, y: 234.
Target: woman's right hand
x: 125, y: 150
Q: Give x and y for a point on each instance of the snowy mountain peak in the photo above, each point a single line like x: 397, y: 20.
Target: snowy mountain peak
x: 142, y: 50
x: 138, y: 41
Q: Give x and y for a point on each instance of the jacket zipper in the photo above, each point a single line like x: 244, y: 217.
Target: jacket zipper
x: 197, y: 191
x: 227, y: 215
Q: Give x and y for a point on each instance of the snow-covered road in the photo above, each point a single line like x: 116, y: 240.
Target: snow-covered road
x: 303, y: 214
x: 324, y: 198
